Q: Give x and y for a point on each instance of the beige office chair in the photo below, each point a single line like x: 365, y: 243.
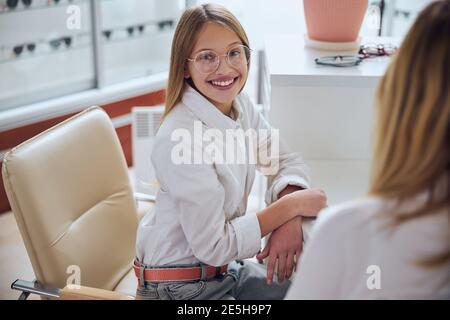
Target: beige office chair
x: 71, y: 196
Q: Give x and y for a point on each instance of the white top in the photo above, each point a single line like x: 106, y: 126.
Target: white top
x: 200, y: 209
x: 290, y: 63
x: 351, y: 254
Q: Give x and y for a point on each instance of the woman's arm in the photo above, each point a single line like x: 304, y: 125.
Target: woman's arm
x: 299, y: 203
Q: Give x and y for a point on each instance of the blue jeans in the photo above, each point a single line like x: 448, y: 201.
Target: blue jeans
x: 244, y: 280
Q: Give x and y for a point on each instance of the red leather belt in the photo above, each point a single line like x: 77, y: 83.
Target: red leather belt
x: 177, y: 274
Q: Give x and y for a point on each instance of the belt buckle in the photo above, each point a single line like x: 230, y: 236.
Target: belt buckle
x: 218, y: 270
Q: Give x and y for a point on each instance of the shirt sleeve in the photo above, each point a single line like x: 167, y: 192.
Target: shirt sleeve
x: 321, y: 269
x: 274, y: 158
x: 199, y: 199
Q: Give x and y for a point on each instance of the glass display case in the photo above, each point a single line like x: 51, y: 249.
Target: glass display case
x: 43, y: 54
x: 40, y: 57
x: 137, y: 36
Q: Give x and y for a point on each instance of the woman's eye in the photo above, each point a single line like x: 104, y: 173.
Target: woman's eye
x: 206, y: 57
x: 235, y: 53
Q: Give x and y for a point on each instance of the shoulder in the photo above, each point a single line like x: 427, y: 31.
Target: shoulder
x: 178, y: 121
x: 177, y: 127
x: 180, y: 117
x: 340, y: 219
x: 339, y: 233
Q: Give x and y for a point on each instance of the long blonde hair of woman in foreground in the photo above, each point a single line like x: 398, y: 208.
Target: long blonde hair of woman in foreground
x: 412, y: 128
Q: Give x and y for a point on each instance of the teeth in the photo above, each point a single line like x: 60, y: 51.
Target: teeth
x: 222, y: 83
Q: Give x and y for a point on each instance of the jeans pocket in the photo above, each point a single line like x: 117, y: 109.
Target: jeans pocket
x: 145, y: 293
x: 185, y: 290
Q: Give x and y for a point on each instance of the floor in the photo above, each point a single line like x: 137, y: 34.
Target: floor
x: 14, y: 261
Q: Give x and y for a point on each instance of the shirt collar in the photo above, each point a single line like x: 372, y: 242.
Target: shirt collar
x: 208, y: 113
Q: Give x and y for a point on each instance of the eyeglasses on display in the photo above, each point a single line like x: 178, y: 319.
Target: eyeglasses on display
x: 12, y: 4
x: 56, y: 43
x: 165, y: 24
x: 44, y: 46
x: 19, y: 48
x: 130, y: 31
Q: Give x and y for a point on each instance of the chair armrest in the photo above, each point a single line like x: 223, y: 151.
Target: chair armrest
x: 138, y: 196
x: 34, y: 287
x: 88, y: 293
x: 67, y: 293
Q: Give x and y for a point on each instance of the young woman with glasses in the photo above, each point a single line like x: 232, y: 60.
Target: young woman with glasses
x: 188, y: 247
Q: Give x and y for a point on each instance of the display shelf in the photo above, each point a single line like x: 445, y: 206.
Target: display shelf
x: 42, y: 5
x: 118, y: 41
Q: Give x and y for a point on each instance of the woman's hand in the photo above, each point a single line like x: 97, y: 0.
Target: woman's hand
x: 284, y: 245
x: 308, y: 202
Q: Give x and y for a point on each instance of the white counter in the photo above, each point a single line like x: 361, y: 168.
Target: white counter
x: 323, y: 112
x: 290, y: 63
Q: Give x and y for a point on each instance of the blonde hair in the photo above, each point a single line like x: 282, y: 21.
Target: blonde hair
x: 185, y: 37
x: 412, y: 128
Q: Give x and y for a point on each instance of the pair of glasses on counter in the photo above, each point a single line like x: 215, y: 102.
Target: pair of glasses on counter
x: 366, y: 51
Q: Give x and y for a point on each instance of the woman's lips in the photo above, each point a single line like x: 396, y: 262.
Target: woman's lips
x: 223, y: 84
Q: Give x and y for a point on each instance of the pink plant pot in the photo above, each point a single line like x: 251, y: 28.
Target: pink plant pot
x: 334, y: 20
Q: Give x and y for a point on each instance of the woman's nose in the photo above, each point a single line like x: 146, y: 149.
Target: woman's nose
x: 224, y: 66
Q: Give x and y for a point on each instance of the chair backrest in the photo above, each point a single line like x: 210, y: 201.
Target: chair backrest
x: 71, y: 196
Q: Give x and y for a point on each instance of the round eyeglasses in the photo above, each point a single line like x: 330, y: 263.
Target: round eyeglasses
x: 208, y: 61
x: 375, y: 50
x: 339, y: 61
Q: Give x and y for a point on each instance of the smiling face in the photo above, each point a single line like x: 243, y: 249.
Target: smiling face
x: 223, y: 85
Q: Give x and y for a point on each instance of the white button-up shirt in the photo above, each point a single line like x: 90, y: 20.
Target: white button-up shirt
x: 200, y: 209
x: 353, y: 253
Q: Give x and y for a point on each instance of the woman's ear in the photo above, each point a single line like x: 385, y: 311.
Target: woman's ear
x: 187, y: 75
